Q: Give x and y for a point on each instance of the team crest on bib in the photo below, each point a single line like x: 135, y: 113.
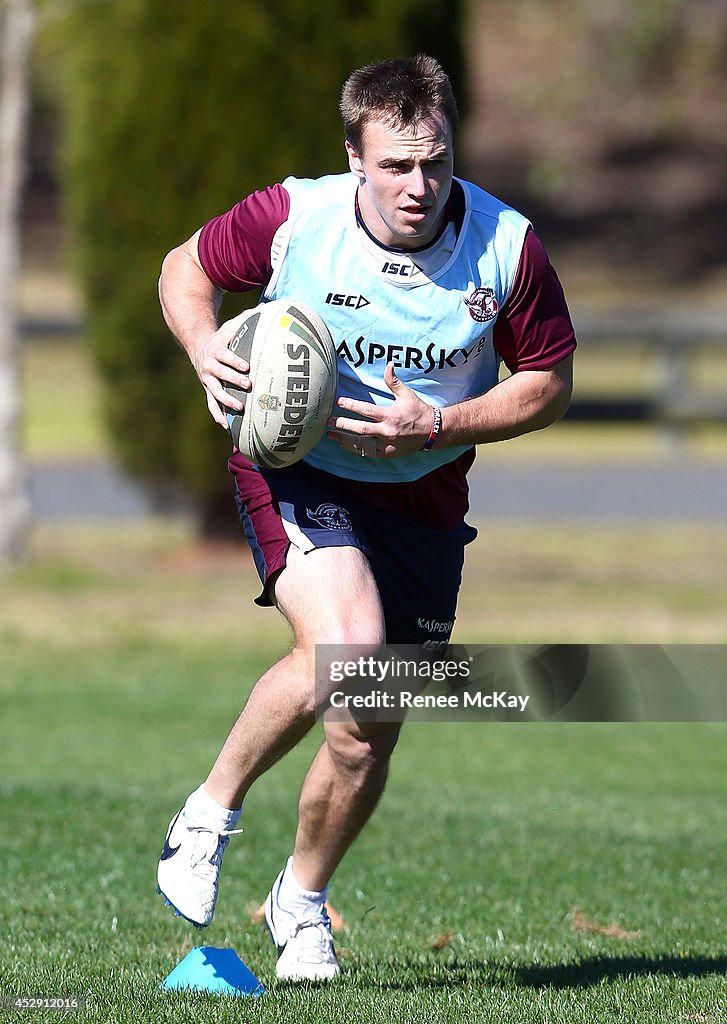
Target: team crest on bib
x: 330, y: 517
x: 482, y: 305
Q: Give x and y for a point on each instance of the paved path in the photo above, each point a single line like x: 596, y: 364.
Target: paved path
x: 659, y: 491
x: 84, y: 490
x: 675, y: 490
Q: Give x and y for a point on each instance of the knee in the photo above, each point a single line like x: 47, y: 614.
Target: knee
x: 358, y: 751
x: 320, y: 658
x: 313, y: 665
x: 362, y: 637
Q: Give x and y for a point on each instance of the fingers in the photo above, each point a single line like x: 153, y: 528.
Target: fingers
x: 369, y: 411
x: 230, y: 359
x: 399, y: 427
x: 228, y: 386
x: 353, y: 426
x: 392, y: 381
x: 223, y: 375
x: 215, y: 411
x: 377, y: 413
x: 218, y: 362
x: 359, y: 444
x: 228, y: 398
x: 363, y: 444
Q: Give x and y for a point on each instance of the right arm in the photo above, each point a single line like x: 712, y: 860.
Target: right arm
x: 190, y: 303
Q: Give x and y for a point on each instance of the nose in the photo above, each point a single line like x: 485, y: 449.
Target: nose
x: 416, y: 185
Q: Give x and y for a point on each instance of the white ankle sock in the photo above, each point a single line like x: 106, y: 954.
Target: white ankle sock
x: 293, y: 898
x: 203, y: 810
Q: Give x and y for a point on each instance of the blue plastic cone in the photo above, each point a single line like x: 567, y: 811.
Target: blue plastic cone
x: 207, y: 969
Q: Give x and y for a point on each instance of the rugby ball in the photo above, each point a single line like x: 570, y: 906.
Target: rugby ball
x: 294, y: 377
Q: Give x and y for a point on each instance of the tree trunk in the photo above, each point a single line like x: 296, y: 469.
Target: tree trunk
x: 16, y: 28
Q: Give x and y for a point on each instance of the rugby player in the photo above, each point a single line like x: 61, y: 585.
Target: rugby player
x: 427, y: 284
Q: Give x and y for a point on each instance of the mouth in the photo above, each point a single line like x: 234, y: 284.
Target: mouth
x: 415, y: 212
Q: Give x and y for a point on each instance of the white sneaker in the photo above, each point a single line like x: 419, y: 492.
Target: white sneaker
x: 188, y: 875
x: 305, y: 945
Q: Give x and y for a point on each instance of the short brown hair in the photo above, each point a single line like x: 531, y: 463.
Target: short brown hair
x: 402, y: 93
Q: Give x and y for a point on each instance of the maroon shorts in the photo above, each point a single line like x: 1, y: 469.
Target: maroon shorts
x: 417, y: 568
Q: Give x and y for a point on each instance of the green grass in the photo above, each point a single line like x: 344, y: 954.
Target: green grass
x: 103, y: 587
x: 124, y: 658
x: 487, y: 839
x: 125, y: 655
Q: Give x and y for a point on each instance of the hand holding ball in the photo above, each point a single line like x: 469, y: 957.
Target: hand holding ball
x: 294, y: 377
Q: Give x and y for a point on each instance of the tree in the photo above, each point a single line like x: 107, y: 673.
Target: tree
x: 172, y: 113
x: 16, y: 30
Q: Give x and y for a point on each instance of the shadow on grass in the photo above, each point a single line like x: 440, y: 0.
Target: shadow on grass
x: 435, y: 975
x: 591, y: 972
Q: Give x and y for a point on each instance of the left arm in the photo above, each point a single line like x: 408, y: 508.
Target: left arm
x: 528, y: 400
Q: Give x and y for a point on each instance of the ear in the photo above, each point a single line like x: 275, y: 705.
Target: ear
x: 354, y: 161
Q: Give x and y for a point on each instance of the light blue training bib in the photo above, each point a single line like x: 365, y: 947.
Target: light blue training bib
x: 437, y: 330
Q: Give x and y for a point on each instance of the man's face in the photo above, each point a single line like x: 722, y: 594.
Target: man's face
x: 405, y: 176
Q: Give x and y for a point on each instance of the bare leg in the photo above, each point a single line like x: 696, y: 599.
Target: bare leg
x: 278, y: 713
x: 339, y: 794
x: 328, y: 596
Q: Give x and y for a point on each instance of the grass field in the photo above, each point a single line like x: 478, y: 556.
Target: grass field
x: 537, y: 873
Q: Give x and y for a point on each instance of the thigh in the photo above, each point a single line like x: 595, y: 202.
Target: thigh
x: 330, y: 596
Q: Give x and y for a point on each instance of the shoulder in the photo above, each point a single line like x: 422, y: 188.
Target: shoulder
x: 534, y: 330
x: 234, y: 248
x: 327, y: 192
x: 261, y: 211
x: 535, y: 265
x: 495, y: 231
x: 484, y: 207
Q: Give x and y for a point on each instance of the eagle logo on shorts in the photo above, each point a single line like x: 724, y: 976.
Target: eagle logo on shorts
x: 482, y: 305
x: 330, y: 517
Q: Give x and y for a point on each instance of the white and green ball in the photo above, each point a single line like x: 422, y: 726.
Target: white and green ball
x: 294, y: 376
